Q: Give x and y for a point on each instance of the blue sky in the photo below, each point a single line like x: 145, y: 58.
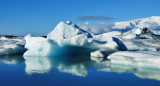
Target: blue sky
x: 39, y: 17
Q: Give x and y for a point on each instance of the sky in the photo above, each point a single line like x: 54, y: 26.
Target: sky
x: 39, y: 17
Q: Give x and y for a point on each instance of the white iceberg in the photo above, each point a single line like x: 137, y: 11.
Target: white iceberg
x: 11, y: 46
x: 139, y: 31
x: 108, y: 34
x: 78, y: 40
x: 136, y: 58
x: 32, y: 41
x: 43, y: 48
x: 67, y: 38
x: 100, y: 55
x: 66, y: 30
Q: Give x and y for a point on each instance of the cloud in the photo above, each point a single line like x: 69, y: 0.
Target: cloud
x: 97, y: 28
x: 87, y: 18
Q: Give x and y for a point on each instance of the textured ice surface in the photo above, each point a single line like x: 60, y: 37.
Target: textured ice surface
x: 66, y: 30
x: 137, y: 58
x: 69, y: 38
x: 11, y: 46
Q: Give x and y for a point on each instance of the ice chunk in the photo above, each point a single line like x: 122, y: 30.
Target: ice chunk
x: 109, y: 34
x: 12, y: 49
x: 141, y: 44
x: 104, y: 43
x: 78, y: 40
x: 32, y: 41
x: 130, y: 34
x: 100, y: 55
x: 38, y: 46
x: 66, y: 30
x: 138, y: 58
x: 157, y: 32
x: 138, y: 31
x: 43, y: 48
x: 11, y: 46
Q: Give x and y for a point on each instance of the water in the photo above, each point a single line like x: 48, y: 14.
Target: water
x: 72, y: 71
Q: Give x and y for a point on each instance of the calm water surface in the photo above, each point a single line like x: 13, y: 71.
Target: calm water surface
x: 72, y: 71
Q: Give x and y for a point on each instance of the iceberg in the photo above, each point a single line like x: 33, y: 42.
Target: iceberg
x: 100, y: 55
x: 66, y: 30
x: 11, y: 46
x: 78, y: 40
x: 104, y: 43
x: 43, y: 48
x: 67, y: 39
x: 136, y: 58
x: 138, y: 31
x: 32, y: 41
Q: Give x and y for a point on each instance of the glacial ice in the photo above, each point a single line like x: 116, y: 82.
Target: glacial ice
x: 66, y: 30
x: 69, y: 38
x: 43, y: 48
x: 136, y: 58
x: 11, y: 46
x: 77, y: 40
x: 100, y: 55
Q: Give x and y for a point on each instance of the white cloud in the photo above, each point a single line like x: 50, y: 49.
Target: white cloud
x: 97, y: 28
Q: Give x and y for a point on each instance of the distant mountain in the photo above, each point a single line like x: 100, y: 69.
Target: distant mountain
x: 152, y: 23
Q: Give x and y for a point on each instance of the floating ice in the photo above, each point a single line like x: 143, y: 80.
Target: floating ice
x: 66, y: 30
x: 136, y: 58
x: 11, y: 46
x: 67, y: 38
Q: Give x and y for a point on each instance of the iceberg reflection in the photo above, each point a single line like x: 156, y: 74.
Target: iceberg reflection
x: 72, y: 65
x: 141, y: 72
x: 37, y: 64
x: 11, y: 59
x: 79, y: 65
